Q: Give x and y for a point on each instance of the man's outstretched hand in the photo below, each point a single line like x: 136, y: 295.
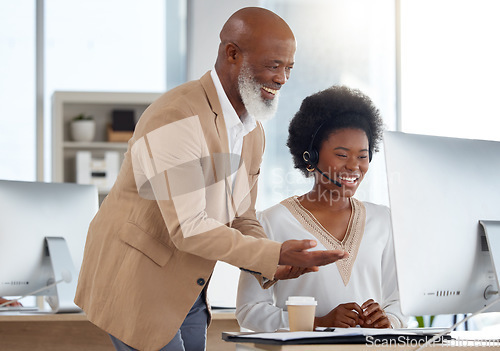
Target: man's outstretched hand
x: 294, y: 253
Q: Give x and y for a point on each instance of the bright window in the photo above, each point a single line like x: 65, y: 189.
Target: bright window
x: 17, y: 90
x: 350, y: 43
x: 113, y: 45
x: 449, y: 68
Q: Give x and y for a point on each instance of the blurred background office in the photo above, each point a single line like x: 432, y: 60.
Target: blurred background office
x: 431, y: 66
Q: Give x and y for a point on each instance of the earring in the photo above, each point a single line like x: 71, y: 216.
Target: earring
x: 310, y: 168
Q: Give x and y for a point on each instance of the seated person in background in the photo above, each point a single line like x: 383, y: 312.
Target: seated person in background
x: 13, y: 303
x: 332, y: 137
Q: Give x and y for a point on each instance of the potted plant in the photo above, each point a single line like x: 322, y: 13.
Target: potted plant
x: 82, y: 127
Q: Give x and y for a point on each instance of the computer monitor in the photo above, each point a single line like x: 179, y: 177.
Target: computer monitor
x: 440, y: 189
x: 30, y: 212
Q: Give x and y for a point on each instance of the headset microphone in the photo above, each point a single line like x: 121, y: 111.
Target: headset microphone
x: 311, y: 159
x: 337, y: 183
x: 311, y: 156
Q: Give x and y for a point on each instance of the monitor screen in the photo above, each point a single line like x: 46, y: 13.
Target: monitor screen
x: 30, y: 212
x: 439, y: 190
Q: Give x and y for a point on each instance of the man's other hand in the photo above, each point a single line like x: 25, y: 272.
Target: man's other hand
x: 294, y: 253
x: 292, y: 272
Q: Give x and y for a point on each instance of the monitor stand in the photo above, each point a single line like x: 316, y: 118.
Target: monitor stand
x: 492, y: 231
x: 65, y: 276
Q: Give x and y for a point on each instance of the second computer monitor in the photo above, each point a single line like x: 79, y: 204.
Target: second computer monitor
x: 31, y: 212
x: 439, y: 190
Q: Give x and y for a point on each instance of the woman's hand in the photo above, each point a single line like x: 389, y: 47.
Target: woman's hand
x: 13, y: 303
x: 374, y: 316
x: 343, y: 316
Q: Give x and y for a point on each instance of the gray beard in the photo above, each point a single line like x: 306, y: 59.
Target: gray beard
x: 259, y: 108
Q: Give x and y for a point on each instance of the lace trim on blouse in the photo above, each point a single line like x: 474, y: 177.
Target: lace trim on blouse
x: 352, y: 238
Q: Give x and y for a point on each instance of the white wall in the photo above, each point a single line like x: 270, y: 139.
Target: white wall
x: 205, y: 20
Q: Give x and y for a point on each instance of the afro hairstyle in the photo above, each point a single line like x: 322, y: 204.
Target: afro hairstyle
x: 326, y: 111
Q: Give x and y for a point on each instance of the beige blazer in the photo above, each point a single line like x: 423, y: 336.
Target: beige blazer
x: 172, y: 213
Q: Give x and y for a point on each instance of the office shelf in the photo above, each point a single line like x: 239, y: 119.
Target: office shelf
x: 94, y: 145
x: 67, y: 104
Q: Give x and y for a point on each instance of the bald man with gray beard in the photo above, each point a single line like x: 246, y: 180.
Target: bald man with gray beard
x: 185, y: 198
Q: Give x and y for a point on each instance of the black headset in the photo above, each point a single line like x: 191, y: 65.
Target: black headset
x: 311, y: 155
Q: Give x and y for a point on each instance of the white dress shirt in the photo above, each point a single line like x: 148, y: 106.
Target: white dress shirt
x: 236, y: 127
x: 373, y: 274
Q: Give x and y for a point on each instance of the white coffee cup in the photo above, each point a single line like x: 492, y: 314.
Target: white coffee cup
x: 301, y: 312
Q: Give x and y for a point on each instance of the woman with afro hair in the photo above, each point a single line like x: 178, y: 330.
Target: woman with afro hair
x: 331, y: 138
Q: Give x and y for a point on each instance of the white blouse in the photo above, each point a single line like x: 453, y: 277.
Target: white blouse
x: 368, y: 273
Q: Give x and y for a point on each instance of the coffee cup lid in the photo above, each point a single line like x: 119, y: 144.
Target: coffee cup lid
x: 301, y: 300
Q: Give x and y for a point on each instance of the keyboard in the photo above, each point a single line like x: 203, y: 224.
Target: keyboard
x: 428, y: 330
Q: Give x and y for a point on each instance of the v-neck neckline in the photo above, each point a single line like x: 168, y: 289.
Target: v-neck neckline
x: 322, y: 228
x: 351, y: 240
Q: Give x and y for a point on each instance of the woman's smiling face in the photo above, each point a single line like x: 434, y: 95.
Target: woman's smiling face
x: 344, y: 156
